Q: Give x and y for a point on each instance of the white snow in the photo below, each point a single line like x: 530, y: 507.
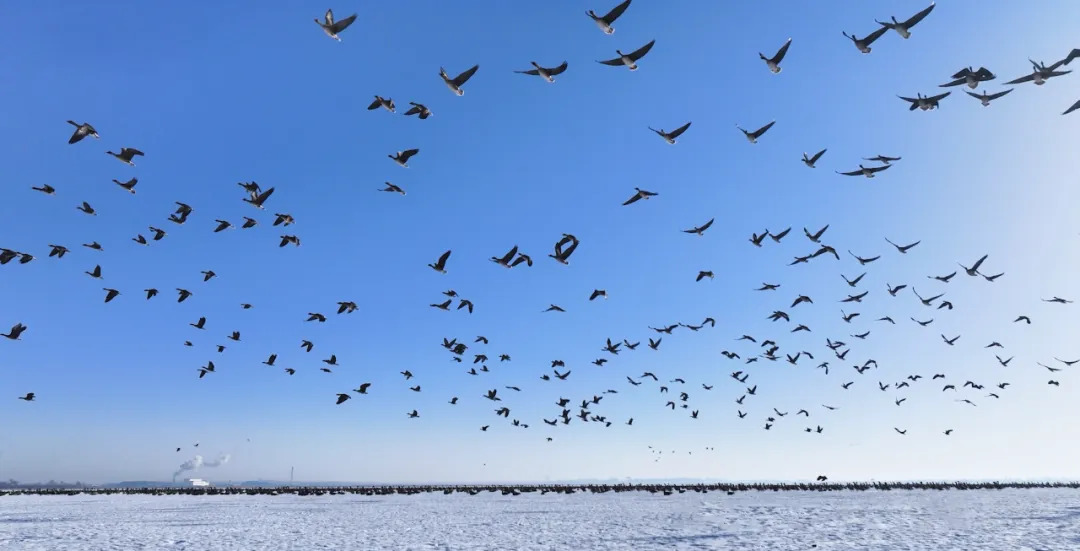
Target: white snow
x: 1026, y: 519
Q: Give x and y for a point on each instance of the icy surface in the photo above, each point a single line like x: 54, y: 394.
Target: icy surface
x: 898, y: 520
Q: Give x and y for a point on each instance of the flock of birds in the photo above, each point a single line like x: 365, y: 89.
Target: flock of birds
x: 839, y: 355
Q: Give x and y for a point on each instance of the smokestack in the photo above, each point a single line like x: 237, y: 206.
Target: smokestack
x: 196, y: 462
x: 291, y: 471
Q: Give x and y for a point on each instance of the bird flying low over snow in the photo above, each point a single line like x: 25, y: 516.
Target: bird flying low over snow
x: 605, y: 21
x: 331, y: 27
x: 630, y: 59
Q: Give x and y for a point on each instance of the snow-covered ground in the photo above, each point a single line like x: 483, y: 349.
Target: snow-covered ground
x: 917, y: 520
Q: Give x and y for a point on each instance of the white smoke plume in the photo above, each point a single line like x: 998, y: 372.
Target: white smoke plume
x: 197, y: 462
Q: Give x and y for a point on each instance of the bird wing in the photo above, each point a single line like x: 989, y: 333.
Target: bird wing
x: 852, y: 173
x: 914, y: 20
x: 761, y: 131
x: 405, y: 155
x: 640, y: 52
x: 374, y: 105
x: 957, y: 82
x: 558, y: 70
x: 1025, y: 78
x: 339, y: 26
x: 999, y: 94
x: 615, y: 12
x: 678, y: 131
x: 1074, y: 107
x: 870, y: 38
x: 781, y: 52
x: 533, y: 72
x: 443, y: 258
x: 633, y: 199
x: 613, y: 62
x: 939, y: 97
x: 878, y: 168
x: 817, y: 156
x: 962, y: 73
x: 465, y: 76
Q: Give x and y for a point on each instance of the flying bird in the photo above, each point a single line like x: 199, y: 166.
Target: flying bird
x: 440, y: 265
x: 605, y: 21
x: 863, y: 44
x: 126, y: 154
x: 903, y: 28
x: 669, y: 137
x: 544, y: 72
x: 455, y: 84
x: 640, y: 194
x: 774, y: 61
x: 752, y: 137
x: 810, y: 161
x: 986, y: 98
x: 629, y: 60
x: 402, y: 157
x: 82, y: 130
x: 332, y: 28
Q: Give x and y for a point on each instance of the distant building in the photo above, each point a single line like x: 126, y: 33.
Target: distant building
x: 198, y: 483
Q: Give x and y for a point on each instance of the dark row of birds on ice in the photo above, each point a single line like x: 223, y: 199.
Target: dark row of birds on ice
x: 752, y: 349
x: 822, y: 485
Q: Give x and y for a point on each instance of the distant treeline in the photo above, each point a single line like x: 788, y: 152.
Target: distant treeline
x: 12, y: 484
x: 57, y: 488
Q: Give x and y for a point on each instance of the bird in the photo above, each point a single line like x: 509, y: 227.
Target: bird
x: 810, y: 161
x: 110, y: 294
x: 402, y: 157
x: 971, y: 78
x: 924, y: 103
x: 974, y: 269
x: 86, y: 208
x: 29, y: 397
x: 903, y: 248
x: 904, y: 28
x: 15, y: 332
x: 640, y: 194
x: 82, y: 130
x: 341, y: 398
x: 332, y: 28
x: 669, y: 137
x: 385, y: 103
x: 544, y: 72
x: 440, y: 265
x: 126, y: 154
x: 863, y: 44
x: 700, y: 230
x: 392, y: 189
x: 752, y: 137
x: 598, y: 293
x: 986, y: 98
x: 704, y: 274
x: 605, y: 21
x: 774, y: 61
x: 418, y: 109
x: 869, y: 172
x: 563, y: 255
x: 257, y: 199
x: 629, y: 60
x: 1040, y: 73
x: 46, y: 189
x: 457, y: 82
x: 882, y: 159
x: 128, y: 185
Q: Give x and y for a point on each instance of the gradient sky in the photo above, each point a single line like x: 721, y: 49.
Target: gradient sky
x: 218, y: 94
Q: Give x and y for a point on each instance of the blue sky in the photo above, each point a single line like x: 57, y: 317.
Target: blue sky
x: 215, y: 95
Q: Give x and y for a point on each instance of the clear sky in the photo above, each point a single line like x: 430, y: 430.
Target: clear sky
x: 223, y: 93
